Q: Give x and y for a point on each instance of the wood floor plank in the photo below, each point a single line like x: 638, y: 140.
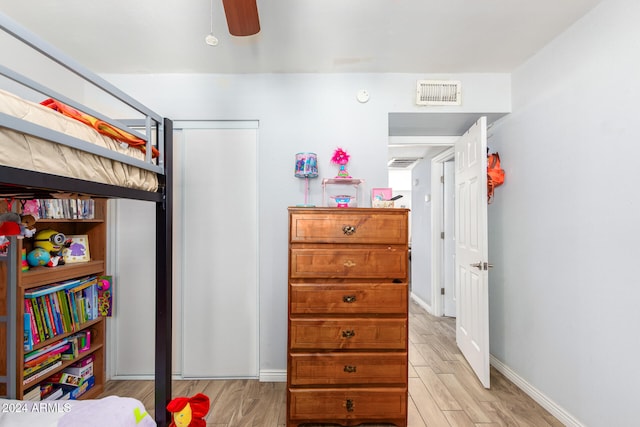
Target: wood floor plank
x: 468, y: 403
x: 440, y: 393
x: 459, y: 419
x: 427, y: 407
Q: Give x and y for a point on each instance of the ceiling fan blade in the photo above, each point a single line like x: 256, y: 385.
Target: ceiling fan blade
x: 242, y: 17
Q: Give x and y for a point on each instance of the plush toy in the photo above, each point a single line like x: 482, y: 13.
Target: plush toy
x: 189, y: 411
x: 52, y: 242
x: 9, y: 224
x: 27, y: 225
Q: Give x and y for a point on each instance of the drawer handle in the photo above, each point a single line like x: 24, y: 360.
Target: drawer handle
x: 348, y: 229
x: 349, y: 405
x: 349, y: 263
x: 349, y: 299
x: 348, y: 333
x: 349, y: 369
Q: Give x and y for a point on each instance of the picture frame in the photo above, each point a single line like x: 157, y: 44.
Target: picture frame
x: 78, y: 250
x: 380, y: 194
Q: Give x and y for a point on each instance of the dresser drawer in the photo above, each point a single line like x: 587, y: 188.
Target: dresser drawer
x: 357, y: 333
x: 352, y: 298
x: 347, y: 226
x: 364, y: 405
x: 348, y: 368
x: 389, y: 262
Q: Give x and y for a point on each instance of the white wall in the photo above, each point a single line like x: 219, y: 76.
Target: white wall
x: 301, y: 112
x: 564, y: 290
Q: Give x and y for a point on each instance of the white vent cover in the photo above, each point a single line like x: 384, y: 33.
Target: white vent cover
x: 402, y: 162
x: 438, y: 92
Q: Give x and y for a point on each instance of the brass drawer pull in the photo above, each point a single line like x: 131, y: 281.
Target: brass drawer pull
x: 348, y: 229
x: 349, y: 299
x: 348, y: 333
x: 349, y: 263
x: 349, y: 405
x: 349, y: 369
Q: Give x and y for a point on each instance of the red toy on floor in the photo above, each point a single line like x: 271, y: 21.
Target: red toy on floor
x: 189, y: 411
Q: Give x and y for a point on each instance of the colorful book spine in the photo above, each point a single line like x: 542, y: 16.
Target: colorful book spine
x: 42, y: 373
x: 28, y: 333
x: 32, y: 321
x: 52, y: 319
x: 45, y: 316
x: 38, y: 318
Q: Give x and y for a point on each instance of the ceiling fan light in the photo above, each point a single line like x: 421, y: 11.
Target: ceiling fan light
x: 211, y: 40
x: 242, y: 17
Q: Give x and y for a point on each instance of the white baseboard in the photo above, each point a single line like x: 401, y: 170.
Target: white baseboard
x: 556, y: 410
x: 421, y: 303
x: 273, y: 376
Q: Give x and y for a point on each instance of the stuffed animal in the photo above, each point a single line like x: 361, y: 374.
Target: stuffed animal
x: 189, y: 411
x: 27, y: 225
x: 9, y: 224
x: 52, y: 242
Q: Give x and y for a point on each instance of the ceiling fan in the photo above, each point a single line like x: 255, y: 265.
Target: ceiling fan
x: 242, y: 17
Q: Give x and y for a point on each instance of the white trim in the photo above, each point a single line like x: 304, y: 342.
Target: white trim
x: 556, y: 410
x: 422, y: 303
x: 273, y: 376
x: 437, y: 249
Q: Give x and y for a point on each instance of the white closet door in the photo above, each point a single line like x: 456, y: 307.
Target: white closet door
x: 219, y: 241
x: 132, y: 262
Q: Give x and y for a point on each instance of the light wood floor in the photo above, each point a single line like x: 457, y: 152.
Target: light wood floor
x: 443, y: 390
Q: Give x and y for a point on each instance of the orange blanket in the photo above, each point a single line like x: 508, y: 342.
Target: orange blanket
x: 99, y: 125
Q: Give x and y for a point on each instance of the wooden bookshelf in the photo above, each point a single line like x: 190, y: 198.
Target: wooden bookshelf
x: 95, y: 229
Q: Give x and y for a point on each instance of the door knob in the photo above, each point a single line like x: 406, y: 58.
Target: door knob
x: 481, y: 265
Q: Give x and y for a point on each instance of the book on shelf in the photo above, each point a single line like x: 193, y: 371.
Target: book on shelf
x: 72, y: 385
x: 51, y: 349
x: 83, y: 371
x: 55, y: 394
x: 65, y: 208
x: 32, y: 394
x: 34, y: 368
x: 42, y: 373
x: 28, y: 333
x: 60, y: 308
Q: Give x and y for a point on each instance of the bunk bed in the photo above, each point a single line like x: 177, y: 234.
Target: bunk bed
x: 92, y: 164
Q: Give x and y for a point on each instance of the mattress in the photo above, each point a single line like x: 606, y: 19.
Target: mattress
x: 26, y: 152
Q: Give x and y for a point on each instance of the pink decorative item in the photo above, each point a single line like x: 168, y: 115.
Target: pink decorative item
x: 341, y: 158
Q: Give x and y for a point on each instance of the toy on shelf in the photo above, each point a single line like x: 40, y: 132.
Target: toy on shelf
x: 52, y: 242
x: 341, y: 192
x: 341, y: 158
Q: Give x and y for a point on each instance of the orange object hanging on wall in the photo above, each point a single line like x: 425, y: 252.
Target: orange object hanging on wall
x: 495, y: 174
x: 102, y: 127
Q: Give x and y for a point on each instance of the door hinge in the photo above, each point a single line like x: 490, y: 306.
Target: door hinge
x: 441, y: 291
x: 442, y: 179
x: 442, y: 234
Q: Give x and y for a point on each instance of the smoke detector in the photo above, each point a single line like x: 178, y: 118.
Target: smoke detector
x: 438, y: 92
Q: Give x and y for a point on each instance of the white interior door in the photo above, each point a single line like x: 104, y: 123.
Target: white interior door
x: 219, y: 224
x: 471, y: 275
x: 449, y: 243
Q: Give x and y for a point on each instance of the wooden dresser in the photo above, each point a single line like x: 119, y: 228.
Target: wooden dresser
x: 348, y: 312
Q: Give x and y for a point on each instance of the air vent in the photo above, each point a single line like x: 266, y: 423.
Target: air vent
x: 438, y: 92
x: 402, y: 162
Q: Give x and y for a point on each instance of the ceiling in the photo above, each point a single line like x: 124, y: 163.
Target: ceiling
x: 300, y: 36
x: 306, y: 36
